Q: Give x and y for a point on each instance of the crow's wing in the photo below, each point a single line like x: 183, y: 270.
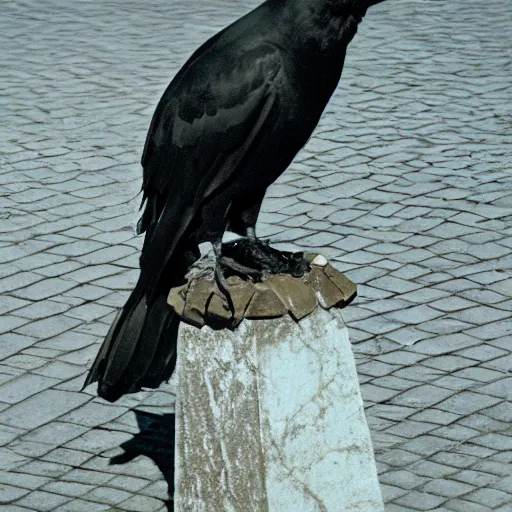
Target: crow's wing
x: 204, y: 126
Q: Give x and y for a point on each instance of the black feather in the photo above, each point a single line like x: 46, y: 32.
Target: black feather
x: 227, y: 127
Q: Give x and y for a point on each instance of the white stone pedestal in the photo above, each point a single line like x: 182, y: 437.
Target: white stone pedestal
x: 269, y: 418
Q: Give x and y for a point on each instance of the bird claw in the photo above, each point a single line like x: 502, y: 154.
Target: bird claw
x: 223, y: 286
x: 255, y: 260
x: 258, y: 260
x: 243, y: 270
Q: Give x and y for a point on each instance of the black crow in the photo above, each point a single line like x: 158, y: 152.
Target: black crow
x: 227, y: 127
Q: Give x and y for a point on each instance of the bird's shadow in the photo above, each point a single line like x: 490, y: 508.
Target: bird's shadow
x: 156, y: 441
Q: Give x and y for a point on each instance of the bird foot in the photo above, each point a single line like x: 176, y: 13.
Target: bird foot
x: 257, y: 260
x: 232, y: 265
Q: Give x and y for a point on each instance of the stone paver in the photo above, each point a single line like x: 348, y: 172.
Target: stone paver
x: 406, y: 186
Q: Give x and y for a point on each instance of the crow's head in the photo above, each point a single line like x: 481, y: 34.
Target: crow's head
x: 324, y: 25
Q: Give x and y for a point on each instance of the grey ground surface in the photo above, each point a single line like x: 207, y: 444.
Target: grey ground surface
x: 406, y: 186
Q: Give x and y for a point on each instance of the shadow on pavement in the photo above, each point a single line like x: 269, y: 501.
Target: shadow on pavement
x: 156, y: 441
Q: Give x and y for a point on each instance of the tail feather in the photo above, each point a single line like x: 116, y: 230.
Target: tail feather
x: 164, y: 361
x: 125, y: 343
x: 151, y: 338
x: 139, y: 349
x: 99, y: 363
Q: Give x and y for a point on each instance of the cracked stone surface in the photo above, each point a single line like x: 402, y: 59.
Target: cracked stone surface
x: 285, y: 437
x: 405, y: 187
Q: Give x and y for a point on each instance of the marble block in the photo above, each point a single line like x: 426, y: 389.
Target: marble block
x: 269, y: 418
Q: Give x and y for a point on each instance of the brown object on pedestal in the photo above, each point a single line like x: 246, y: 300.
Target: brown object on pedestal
x: 199, y: 302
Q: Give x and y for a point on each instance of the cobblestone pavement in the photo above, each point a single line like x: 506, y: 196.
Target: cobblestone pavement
x: 406, y: 186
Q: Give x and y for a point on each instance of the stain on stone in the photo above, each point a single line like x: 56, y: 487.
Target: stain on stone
x: 222, y: 475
